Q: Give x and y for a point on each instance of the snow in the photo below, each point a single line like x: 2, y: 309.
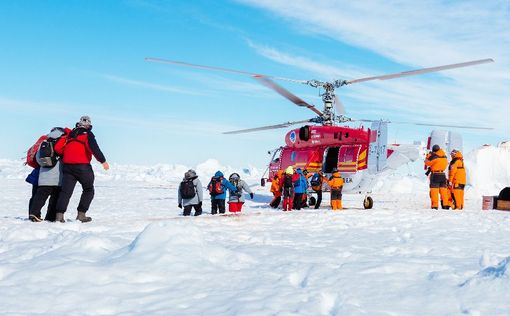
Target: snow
x: 139, y: 256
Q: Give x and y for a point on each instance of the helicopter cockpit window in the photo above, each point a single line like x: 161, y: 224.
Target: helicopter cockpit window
x: 276, y: 160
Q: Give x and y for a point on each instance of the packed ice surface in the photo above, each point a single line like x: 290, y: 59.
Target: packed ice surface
x: 140, y: 257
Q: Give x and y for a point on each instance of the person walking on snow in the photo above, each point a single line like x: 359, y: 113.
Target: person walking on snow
x: 218, y: 187
x: 77, y: 150
x: 236, y: 198
x: 457, y: 179
x: 190, y: 194
x: 437, y: 162
x: 49, y: 179
x: 287, y: 185
x: 336, y: 183
x: 300, y: 186
x: 316, y: 181
x: 276, y: 189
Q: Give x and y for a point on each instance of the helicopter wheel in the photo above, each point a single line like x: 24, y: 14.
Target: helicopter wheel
x: 368, y: 203
x: 312, y: 201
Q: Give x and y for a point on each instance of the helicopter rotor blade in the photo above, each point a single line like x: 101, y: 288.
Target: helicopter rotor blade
x: 256, y: 129
x: 421, y: 71
x: 443, y: 125
x: 340, y: 108
x: 180, y: 63
x: 286, y: 93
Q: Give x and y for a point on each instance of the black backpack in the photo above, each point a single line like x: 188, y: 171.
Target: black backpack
x: 287, y: 181
x: 187, y: 189
x: 47, y: 157
x: 316, y: 180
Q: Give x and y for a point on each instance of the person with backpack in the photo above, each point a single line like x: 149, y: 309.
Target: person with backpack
x: 457, y: 179
x: 49, y: 179
x: 190, y: 194
x: 300, y: 187
x: 236, y: 198
x: 336, y: 183
x: 276, y: 189
x: 316, y: 181
x: 218, y: 187
x: 77, y: 149
x: 287, y: 185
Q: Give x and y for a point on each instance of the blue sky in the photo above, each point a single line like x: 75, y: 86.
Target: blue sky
x: 64, y: 59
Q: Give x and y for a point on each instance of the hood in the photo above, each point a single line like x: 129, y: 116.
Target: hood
x: 289, y: 170
x: 458, y: 155
x: 218, y: 174
x: 336, y: 174
x: 299, y: 171
x: 440, y: 153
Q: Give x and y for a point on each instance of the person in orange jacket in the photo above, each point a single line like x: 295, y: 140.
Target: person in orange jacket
x: 336, y: 183
x: 437, y: 162
x: 276, y: 189
x: 457, y: 179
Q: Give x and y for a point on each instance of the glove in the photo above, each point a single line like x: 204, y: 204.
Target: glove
x: 180, y: 205
x: 251, y: 196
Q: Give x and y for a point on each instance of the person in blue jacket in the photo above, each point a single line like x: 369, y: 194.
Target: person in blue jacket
x: 218, y: 187
x: 300, y: 186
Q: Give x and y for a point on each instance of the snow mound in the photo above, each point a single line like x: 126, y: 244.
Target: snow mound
x: 488, y: 169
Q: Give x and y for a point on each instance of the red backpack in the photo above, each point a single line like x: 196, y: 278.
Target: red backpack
x: 215, y: 187
x: 32, y: 151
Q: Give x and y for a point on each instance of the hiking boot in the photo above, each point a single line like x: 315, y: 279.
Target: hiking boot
x: 60, y: 218
x: 35, y: 218
x: 82, y: 218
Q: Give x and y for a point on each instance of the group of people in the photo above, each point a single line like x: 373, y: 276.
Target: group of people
x: 61, y: 159
x: 451, y: 188
x: 190, y: 193
x: 292, y: 186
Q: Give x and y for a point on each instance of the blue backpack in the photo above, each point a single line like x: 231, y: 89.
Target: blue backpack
x: 316, y: 180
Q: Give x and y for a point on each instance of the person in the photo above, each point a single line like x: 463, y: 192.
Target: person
x: 457, y: 179
x: 33, y: 179
x: 287, y: 185
x: 336, y: 183
x: 316, y: 181
x: 236, y: 198
x: 77, y: 150
x: 190, y: 194
x: 300, y: 186
x: 49, y: 183
x: 276, y: 189
x: 218, y: 187
x: 437, y: 162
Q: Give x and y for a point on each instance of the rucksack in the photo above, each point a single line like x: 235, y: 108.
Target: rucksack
x: 287, y: 181
x: 47, y: 156
x: 315, y: 181
x: 187, y: 189
x: 215, y: 187
x: 32, y: 151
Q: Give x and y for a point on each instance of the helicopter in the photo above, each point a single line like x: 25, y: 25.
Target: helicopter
x: 324, y: 143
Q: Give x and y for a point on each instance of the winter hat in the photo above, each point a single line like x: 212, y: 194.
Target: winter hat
x: 56, y: 132
x: 234, y: 176
x: 289, y: 170
x: 218, y: 174
x: 84, y: 122
x: 435, y: 148
x: 190, y: 174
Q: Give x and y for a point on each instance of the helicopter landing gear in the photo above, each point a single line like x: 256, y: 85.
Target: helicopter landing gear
x: 368, y: 203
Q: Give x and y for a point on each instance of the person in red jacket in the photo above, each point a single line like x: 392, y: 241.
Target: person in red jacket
x: 77, y: 150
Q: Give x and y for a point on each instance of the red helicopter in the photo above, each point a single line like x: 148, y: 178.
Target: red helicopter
x: 360, y: 154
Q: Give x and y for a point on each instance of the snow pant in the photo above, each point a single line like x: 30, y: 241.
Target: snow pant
x: 319, y: 199
x: 187, y: 209
x: 336, y: 199
x: 439, y: 186
x: 217, y: 205
x: 34, y: 191
x: 457, y: 193
x: 235, y: 207
x: 298, y: 201
x: 288, y: 197
x: 83, y: 174
x: 275, y: 202
x: 42, y: 194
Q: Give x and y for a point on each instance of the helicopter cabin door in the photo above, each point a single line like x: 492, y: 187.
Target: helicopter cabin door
x: 348, y: 158
x: 330, y: 159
